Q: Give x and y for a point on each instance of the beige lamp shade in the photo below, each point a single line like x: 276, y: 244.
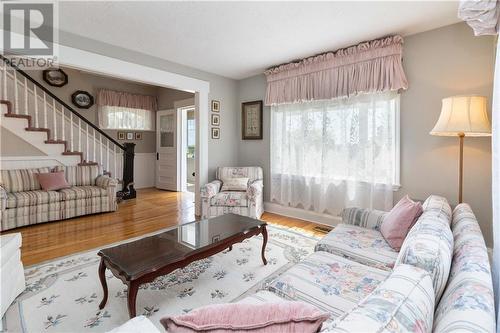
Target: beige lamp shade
x: 463, y: 115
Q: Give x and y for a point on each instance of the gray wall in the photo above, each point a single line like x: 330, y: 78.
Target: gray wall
x: 78, y: 80
x: 12, y: 145
x: 256, y: 152
x: 167, y: 97
x: 223, y: 151
x: 438, y: 63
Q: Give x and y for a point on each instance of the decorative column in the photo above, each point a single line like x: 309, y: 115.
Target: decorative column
x: 128, y: 191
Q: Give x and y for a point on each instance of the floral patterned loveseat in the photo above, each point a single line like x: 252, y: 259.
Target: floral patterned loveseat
x: 440, y: 281
x: 249, y: 203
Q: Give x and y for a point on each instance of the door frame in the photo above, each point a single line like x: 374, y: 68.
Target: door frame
x: 181, y: 147
x: 113, y: 67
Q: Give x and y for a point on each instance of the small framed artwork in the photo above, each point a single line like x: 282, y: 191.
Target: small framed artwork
x: 215, y: 120
x: 121, y: 136
x: 215, y: 133
x: 55, y: 77
x: 138, y: 135
x: 215, y: 106
x: 82, y: 99
x: 251, y: 120
x: 215, y: 239
x: 130, y: 135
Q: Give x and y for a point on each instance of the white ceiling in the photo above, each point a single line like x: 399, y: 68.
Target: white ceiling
x: 241, y: 39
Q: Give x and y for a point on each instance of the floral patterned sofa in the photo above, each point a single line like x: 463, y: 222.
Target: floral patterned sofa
x: 23, y: 202
x: 440, y: 281
x: 248, y: 203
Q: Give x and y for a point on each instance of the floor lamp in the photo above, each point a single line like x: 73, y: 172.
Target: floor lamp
x: 463, y: 116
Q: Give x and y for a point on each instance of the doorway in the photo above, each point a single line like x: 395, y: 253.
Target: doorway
x: 96, y: 63
x: 189, y: 148
x: 176, y: 142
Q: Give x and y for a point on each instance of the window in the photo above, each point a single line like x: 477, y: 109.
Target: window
x: 327, y: 154
x: 118, y: 117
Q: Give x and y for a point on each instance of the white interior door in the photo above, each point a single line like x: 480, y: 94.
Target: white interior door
x: 166, y: 150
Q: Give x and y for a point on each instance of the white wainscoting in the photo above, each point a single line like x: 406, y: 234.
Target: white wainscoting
x: 302, y: 214
x: 144, y: 170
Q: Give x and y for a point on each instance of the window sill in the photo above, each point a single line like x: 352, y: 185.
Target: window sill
x: 126, y: 130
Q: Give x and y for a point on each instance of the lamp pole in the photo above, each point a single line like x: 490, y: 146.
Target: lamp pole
x: 461, y: 167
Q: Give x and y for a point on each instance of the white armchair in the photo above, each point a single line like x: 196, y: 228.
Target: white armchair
x: 249, y: 203
x: 12, y: 270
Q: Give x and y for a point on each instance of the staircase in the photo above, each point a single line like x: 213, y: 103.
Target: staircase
x: 32, y: 111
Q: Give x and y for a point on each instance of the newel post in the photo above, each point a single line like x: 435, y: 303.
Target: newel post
x: 128, y: 171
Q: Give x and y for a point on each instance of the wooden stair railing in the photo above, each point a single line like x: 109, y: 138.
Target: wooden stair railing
x: 87, y: 141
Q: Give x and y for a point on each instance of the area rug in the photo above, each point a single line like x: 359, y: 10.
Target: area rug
x: 63, y: 295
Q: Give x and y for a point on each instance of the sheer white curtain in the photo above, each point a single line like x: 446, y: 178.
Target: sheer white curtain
x: 118, y: 117
x: 327, y: 155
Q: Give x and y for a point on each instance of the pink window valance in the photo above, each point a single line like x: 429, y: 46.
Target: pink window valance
x: 128, y: 100
x: 373, y: 66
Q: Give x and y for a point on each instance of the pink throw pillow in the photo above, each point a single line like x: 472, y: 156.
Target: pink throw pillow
x: 52, y: 181
x: 240, y: 317
x: 399, y: 221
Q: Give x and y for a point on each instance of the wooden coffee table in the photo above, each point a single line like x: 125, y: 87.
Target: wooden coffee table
x: 144, y: 260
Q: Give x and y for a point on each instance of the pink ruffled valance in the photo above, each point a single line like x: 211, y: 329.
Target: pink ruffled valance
x: 128, y: 100
x: 367, y: 67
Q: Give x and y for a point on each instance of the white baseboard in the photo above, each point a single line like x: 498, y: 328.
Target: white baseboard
x: 302, y: 214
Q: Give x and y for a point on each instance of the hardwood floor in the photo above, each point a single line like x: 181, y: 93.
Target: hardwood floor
x: 153, y: 210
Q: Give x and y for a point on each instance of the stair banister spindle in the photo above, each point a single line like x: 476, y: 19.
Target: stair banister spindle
x: 16, y: 94
x: 36, y: 105
x: 45, y: 125
x: 63, y: 120
x: 94, y: 146
x: 54, y: 116
x: 87, y: 143
x: 79, y: 134
x: 25, y: 96
x: 71, y: 130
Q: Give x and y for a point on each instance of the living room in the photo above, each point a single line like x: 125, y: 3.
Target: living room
x: 306, y: 143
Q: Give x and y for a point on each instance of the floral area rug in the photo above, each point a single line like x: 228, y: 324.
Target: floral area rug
x: 63, y: 295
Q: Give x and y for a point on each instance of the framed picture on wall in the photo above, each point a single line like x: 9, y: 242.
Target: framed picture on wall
x: 215, y: 106
x: 215, y: 120
x: 82, y: 99
x: 138, y: 135
x: 215, y: 133
x: 121, y: 136
x: 130, y: 135
x: 55, y: 77
x: 251, y: 120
